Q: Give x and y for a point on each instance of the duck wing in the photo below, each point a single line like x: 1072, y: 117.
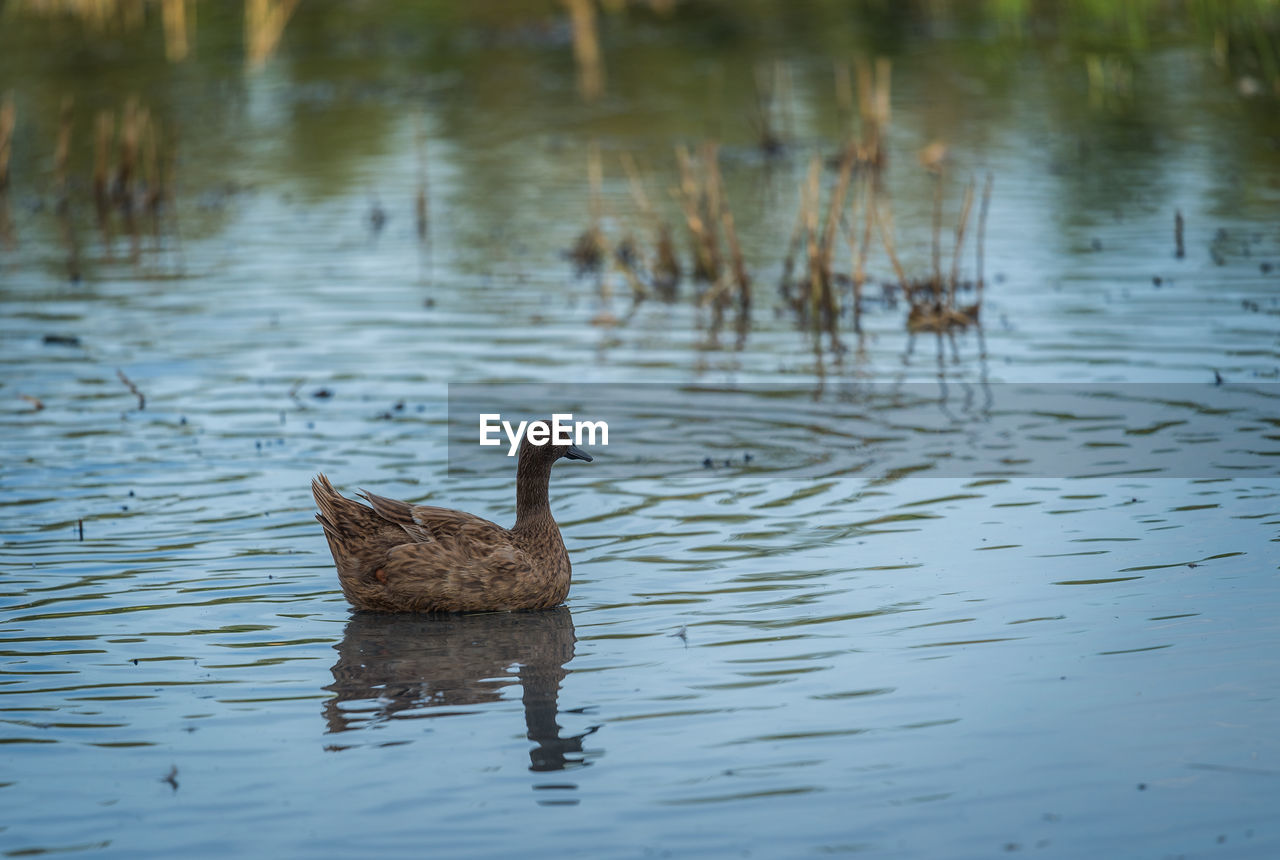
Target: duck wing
x: 457, y: 577
x: 450, y: 560
x: 428, y: 524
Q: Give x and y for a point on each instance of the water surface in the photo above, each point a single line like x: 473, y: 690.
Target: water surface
x: 748, y: 663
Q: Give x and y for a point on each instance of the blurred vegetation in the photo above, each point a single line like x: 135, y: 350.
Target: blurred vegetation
x: 1242, y: 36
x: 311, y: 91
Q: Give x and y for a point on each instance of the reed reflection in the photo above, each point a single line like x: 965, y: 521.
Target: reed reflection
x: 401, y: 666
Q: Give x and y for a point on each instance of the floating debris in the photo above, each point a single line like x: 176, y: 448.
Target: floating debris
x: 142, y: 400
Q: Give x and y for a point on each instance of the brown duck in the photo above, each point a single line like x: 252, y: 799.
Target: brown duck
x: 399, y: 557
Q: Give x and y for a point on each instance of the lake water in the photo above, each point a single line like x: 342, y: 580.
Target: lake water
x: 755, y: 659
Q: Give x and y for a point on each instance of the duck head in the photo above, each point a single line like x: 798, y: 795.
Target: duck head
x: 573, y: 452
x: 549, y: 453
x: 533, y: 472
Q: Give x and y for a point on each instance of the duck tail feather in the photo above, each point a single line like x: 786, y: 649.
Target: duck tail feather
x: 389, y: 509
x: 326, y: 496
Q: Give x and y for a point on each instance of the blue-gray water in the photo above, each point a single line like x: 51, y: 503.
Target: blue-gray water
x: 747, y: 665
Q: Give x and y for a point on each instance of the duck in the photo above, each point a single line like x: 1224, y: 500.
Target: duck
x: 394, y: 556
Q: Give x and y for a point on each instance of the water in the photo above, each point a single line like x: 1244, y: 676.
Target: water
x: 748, y: 664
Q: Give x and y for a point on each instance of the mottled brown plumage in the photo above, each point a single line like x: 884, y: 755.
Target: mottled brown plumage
x: 399, y: 557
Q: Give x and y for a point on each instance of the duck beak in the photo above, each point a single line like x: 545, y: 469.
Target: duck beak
x: 576, y: 453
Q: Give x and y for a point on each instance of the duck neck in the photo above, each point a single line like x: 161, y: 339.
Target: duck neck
x: 532, y: 505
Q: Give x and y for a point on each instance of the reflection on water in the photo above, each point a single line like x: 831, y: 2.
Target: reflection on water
x: 396, y: 666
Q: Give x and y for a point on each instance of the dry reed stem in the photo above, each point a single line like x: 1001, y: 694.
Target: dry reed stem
x: 793, y: 245
x: 590, y: 248
x: 637, y: 188
x: 62, y: 150
x: 835, y: 209
x: 174, y: 15
x: 960, y: 230
x: 873, y: 107
x: 884, y: 69
x: 638, y: 290
x: 264, y: 23
x: 982, y: 231
x: 104, y: 131
x: 826, y: 299
x: 155, y: 173
x: 7, y: 238
x: 586, y: 48
x: 595, y: 179
x: 421, y: 209
x: 768, y: 81
x: 720, y: 205
x: 764, y: 102
x: 866, y: 96
x: 8, y: 120
x: 713, y: 197
x: 844, y: 95
x: 666, y: 268
x: 864, y: 247
x: 886, y: 237
x: 420, y: 217
x: 740, y: 275
x: 131, y: 122
x: 937, y: 232
x: 168, y: 177
x: 715, y: 297
x: 783, y: 74
x: 690, y: 195
x: 868, y: 110
x: 813, y: 249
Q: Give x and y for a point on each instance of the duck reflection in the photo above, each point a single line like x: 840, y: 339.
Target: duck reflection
x: 394, y: 666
